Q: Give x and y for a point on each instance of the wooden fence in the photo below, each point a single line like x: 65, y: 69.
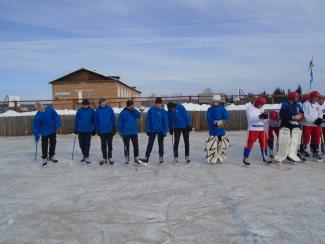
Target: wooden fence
x: 22, y: 125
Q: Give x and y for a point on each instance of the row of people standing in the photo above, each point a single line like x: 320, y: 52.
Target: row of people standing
x: 102, y: 122
x: 300, y: 122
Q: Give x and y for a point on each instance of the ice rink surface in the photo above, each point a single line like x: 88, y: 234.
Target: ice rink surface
x: 227, y: 203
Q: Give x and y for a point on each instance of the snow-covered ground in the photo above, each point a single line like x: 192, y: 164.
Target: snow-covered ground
x: 188, y: 106
x: 228, y: 203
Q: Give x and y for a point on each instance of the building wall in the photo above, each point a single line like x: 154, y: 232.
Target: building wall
x: 92, y: 90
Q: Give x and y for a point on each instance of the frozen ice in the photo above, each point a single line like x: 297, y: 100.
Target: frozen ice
x: 225, y: 203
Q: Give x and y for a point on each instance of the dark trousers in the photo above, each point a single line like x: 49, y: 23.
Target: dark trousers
x: 107, y: 145
x: 84, y: 143
x: 45, y: 145
x: 152, y: 137
x: 126, y: 139
x: 177, y: 137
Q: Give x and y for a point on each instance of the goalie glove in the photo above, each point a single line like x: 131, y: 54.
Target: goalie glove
x: 298, y: 117
x: 219, y: 123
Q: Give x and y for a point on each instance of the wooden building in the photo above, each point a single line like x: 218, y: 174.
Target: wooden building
x: 69, y: 90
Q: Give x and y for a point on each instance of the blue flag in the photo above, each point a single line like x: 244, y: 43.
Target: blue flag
x: 311, y: 65
x: 311, y: 78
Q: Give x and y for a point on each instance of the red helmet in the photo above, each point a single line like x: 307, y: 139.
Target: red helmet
x: 274, y: 115
x: 292, y: 96
x: 260, y: 101
x: 305, y: 97
x: 314, y: 94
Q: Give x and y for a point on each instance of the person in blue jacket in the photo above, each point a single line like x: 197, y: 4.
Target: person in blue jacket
x: 179, y: 122
x: 128, y: 128
x: 84, y: 127
x: 105, y: 127
x: 156, y: 125
x: 45, y: 123
x: 216, y: 117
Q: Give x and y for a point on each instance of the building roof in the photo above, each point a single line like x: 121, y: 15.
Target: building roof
x: 105, y: 77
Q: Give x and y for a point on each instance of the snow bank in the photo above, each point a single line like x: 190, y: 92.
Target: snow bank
x: 188, y: 106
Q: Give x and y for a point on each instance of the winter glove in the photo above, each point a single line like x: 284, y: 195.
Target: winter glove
x: 219, y: 123
x: 263, y: 116
x: 75, y: 132
x: 324, y: 116
x: 189, y: 128
x: 36, y: 139
x: 93, y: 133
x: 148, y: 133
x: 171, y: 131
x: 318, y: 121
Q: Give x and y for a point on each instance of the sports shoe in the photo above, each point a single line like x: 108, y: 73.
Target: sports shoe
x: 83, y: 160
x: 266, y: 160
x: 87, y: 161
x: 246, y: 161
x: 187, y: 159
x: 53, y: 159
x: 110, y: 161
x: 44, y: 164
x: 144, y: 160
x: 161, y: 160
x: 317, y: 157
x: 176, y: 160
x: 104, y: 161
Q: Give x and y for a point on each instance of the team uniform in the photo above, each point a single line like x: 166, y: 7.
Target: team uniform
x: 105, y: 127
x: 274, y: 128
x: 179, y: 123
x: 85, y: 127
x: 45, y: 125
x: 156, y: 126
x: 217, y: 142
x: 291, y: 114
x: 256, y: 119
x: 128, y: 128
x: 313, y: 119
x: 321, y: 107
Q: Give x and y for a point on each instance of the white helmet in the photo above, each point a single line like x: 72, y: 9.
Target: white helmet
x: 216, y: 98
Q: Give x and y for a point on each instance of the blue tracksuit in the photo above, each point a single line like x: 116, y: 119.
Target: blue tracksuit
x: 128, y: 121
x: 104, y: 120
x: 85, y: 120
x: 179, y: 118
x: 216, y: 113
x: 287, y: 111
x: 45, y: 123
x: 157, y: 121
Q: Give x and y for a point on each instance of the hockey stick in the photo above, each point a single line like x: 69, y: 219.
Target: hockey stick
x: 74, y: 145
x: 36, y: 147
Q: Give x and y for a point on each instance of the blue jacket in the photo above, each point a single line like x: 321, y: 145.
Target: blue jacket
x: 287, y: 111
x: 157, y: 121
x: 127, y: 122
x: 216, y: 113
x: 84, y: 120
x: 45, y: 123
x: 179, y: 118
x: 104, y: 120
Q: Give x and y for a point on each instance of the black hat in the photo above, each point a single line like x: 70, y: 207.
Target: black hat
x: 171, y: 105
x: 158, y: 100
x: 85, y: 102
x: 129, y: 103
x: 101, y: 100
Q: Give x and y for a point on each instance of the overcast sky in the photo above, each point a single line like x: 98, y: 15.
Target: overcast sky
x: 146, y: 43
